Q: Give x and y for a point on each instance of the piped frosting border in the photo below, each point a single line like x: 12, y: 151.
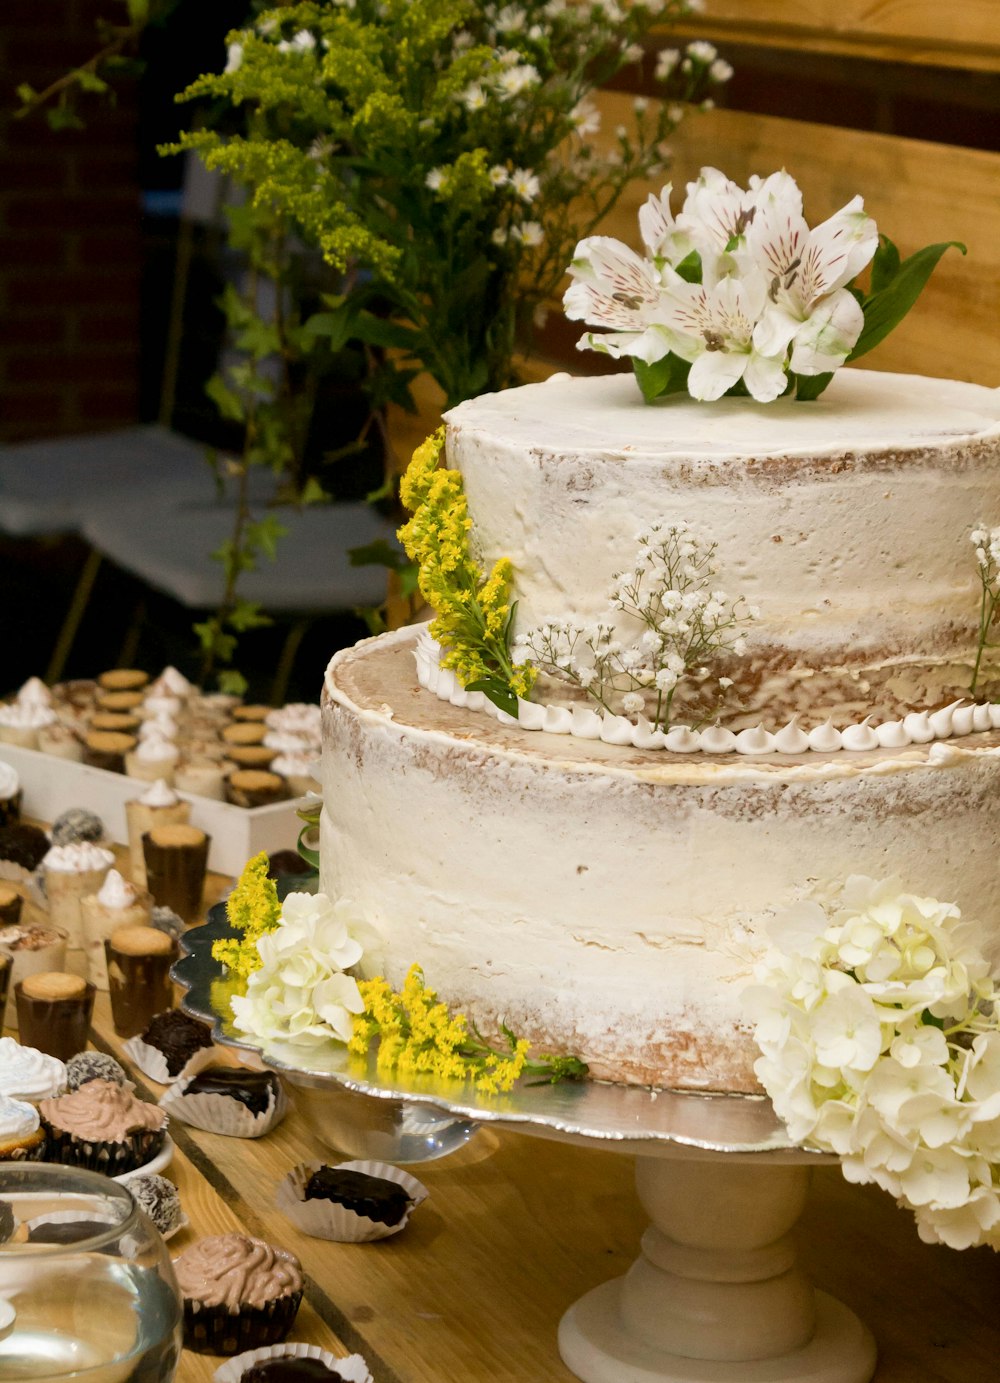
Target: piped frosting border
x: 918, y: 727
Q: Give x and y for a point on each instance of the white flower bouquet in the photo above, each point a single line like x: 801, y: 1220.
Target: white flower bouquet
x: 738, y: 295
x: 878, y: 1024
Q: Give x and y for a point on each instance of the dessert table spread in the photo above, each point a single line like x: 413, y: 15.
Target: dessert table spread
x: 517, y: 1228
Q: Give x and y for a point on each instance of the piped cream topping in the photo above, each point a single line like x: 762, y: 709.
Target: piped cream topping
x: 27, y: 715
x: 116, y: 892
x: 28, y: 1074
x: 78, y: 857
x: 17, y: 1119
x: 34, y: 692
x: 918, y: 727
x: 161, y: 794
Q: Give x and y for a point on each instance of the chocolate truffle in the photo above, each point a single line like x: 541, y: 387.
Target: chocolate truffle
x: 87, y: 1066
x: 177, y: 1037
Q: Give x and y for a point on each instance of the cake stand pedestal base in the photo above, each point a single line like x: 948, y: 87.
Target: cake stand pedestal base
x: 716, y: 1295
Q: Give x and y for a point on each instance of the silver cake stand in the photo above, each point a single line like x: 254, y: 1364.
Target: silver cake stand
x: 716, y: 1294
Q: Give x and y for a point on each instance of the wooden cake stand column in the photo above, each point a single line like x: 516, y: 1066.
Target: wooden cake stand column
x: 716, y: 1295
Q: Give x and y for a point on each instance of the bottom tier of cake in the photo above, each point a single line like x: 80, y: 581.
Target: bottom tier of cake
x: 607, y: 901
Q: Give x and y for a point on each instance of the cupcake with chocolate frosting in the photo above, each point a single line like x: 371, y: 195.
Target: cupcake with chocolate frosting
x: 104, y: 1127
x: 239, y: 1293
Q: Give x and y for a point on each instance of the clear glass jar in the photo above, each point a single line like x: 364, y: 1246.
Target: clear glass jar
x: 87, y: 1290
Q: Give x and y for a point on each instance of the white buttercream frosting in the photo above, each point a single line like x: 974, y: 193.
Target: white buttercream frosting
x: 157, y: 750
x: 158, y: 727
x: 27, y: 715
x: 161, y: 794
x: 171, y: 682
x: 78, y: 857
x: 34, y: 692
x: 17, y: 1119
x: 28, y: 1074
x: 116, y: 892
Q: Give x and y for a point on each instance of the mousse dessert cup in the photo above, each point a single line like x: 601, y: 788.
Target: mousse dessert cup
x: 159, y: 805
x: 117, y: 903
x: 54, y: 1012
x: 138, y: 961
x: 176, y: 860
x: 70, y: 873
x: 33, y: 948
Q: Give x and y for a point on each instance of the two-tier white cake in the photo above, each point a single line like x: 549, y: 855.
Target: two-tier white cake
x: 604, y: 887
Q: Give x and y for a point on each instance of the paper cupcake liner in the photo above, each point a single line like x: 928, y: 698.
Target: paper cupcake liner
x: 28, y: 1152
x: 107, y: 1157
x: 152, y: 1063
x: 323, y: 1219
x: 159, y: 1163
x: 219, y: 1113
x: 351, y: 1369
x: 214, y: 1330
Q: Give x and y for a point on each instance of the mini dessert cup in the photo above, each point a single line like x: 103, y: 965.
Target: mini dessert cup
x: 116, y: 721
x: 107, y: 749
x: 32, y: 949
x: 297, y: 771
x: 6, y: 968
x: 138, y: 961
x: 11, y: 903
x: 20, y: 724
x: 258, y: 756
x: 158, y: 806
x: 71, y: 872
x: 243, y: 732
x: 176, y: 860
x: 217, y: 1111
x: 117, y: 904
x: 61, y: 742
x: 351, y: 1369
x: 153, y: 759
x: 119, y: 701
x: 54, y: 1012
x: 202, y: 777
x: 252, y: 713
x: 253, y: 787
x: 322, y: 1218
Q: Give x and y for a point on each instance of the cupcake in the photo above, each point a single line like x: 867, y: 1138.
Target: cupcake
x: 168, y: 1044
x: 239, y: 1293
x: 233, y: 1100
x: 22, y: 1138
x: 28, y: 1074
x: 352, y: 1203
x: 202, y: 776
x: 293, y: 1363
x: 159, y: 1199
x: 104, y: 1127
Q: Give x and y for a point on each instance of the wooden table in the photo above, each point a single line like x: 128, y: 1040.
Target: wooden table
x: 516, y: 1228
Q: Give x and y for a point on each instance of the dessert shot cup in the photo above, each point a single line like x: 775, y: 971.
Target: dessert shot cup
x: 117, y: 904
x: 176, y: 860
x: 32, y: 949
x: 11, y: 903
x: 138, y: 963
x: 159, y: 805
x: 54, y: 1012
x: 70, y: 873
x: 6, y: 968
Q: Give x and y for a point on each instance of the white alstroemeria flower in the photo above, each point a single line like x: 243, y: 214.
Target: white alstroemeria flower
x: 614, y: 288
x: 715, y: 327
x: 716, y: 213
x: 810, y: 308
x: 661, y: 235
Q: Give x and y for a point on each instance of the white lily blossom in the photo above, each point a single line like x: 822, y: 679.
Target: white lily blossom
x: 878, y: 1023
x: 770, y: 295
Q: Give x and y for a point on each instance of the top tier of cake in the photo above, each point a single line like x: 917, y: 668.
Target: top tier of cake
x: 846, y: 520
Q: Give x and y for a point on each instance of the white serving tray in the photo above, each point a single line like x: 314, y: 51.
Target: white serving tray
x: 51, y: 785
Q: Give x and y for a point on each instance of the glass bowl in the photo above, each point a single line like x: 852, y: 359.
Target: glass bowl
x: 87, y: 1291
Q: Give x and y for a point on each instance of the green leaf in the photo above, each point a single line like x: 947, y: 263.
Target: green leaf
x: 26, y: 93
x: 226, y: 400
x: 666, y: 376
x: 885, y: 309
x: 498, y: 692
x: 373, y: 618
x: 811, y: 386
x: 885, y: 265
x: 247, y: 614
x: 232, y: 683
x: 690, y: 268
x: 312, y: 492
x: 336, y: 326
x: 381, y: 331
x: 90, y: 81
x: 205, y: 633
x: 380, y: 553
x: 64, y: 118
x: 138, y: 11
x: 310, y: 855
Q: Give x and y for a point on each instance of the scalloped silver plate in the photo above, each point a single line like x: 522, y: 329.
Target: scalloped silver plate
x: 360, y: 1110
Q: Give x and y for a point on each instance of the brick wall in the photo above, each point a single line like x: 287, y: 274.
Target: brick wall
x: 69, y: 237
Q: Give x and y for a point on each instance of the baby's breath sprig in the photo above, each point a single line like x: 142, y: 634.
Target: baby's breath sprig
x: 473, y: 612
x: 684, y: 624
x: 417, y: 1034
x: 253, y: 909
x: 986, y: 541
